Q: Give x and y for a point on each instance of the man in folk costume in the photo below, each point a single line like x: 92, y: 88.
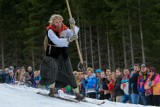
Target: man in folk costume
x: 56, y: 67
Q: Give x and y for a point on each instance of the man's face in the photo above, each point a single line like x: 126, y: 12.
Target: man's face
x: 143, y: 69
x: 136, y: 68
x: 118, y: 73
x: 58, y: 23
x: 108, y: 72
x: 126, y: 72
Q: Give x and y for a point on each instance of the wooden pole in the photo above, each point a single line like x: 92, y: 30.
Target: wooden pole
x: 72, y: 27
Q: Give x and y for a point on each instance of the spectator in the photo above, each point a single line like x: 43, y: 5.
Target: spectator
x: 104, y: 92
x: 2, y: 76
x: 6, y: 75
x: 142, y: 78
x: 155, y: 84
x: 11, y: 77
x: 149, y: 91
x: 90, y: 83
x: 36, y: 79
x: 17, y: 74
x: 125, y: 86
x: 81, y: 82
x: 98, y: 82
x: 133, y: 90
x: 25, y: 77
x: 117, y: 92
x: 110, y: 86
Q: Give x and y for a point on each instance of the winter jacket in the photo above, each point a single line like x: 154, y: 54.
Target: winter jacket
x: 91, y: 83
x: 117, y: 90
x: 149, y: 90
x: 37, y: 78
x: 7, y: 79
x: 110, y: 85
x: 133, y: 83
x: 142, y: 78
x: 2, y: 77
x: 155, y: 84
x: 125, y: 84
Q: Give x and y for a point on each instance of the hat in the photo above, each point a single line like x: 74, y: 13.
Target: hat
x: 143, y: 66
x: 11, y: 68
x: 152, y: 69
x: 98, y: 70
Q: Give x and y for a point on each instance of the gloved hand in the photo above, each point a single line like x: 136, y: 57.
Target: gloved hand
x: 72, y: 38
x: 72, y: 21
x: 149, y: 83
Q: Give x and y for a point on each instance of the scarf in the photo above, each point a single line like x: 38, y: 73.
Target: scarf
x: 58, y: 30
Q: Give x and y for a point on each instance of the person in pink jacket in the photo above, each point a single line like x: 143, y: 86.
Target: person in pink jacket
x: 154, y: 84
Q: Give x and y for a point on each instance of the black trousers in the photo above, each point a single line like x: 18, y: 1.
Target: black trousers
x: 91, y: 95
x: 149, y: 99
x: 156, y: 100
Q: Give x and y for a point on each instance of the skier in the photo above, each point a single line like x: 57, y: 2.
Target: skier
x: 56, y: 68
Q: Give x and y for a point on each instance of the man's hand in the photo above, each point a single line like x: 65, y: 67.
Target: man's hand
x: 72, y: 21
x: 72, y: 38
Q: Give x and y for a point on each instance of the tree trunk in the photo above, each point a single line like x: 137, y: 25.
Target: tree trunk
x: 108, y: 50
x: 16, y: 59
x: 141, y: 32
x: 91, y: 46
x: 130, y: 33
x: 85, y: 45
x: 33, y: 59
x: 2, y: 51
x: 124, y: 48
x: 99, y: 53
x: 113, y: 57
x: 79, y: 34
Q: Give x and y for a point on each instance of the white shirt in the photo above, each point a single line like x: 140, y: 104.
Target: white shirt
x: 61, y: 42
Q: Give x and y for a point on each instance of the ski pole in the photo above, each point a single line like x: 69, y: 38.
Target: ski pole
x: 77, y: 43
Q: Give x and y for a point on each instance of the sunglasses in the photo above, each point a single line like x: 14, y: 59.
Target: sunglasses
x: 151, y: 71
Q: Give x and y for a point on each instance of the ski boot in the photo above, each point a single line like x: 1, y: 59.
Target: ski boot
x: 79, y: 96
x: 52, y: 92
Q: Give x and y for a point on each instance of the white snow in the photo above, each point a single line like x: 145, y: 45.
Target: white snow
x: 22, y: 96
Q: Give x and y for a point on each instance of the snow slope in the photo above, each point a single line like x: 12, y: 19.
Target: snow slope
x: 22, y: 96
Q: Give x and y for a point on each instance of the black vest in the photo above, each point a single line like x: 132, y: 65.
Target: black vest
x: 55, y: 52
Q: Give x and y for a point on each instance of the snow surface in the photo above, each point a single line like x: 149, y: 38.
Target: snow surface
x: 23, y: 96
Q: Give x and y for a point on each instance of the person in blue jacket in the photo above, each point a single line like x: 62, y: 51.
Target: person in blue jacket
x: 90, y: 83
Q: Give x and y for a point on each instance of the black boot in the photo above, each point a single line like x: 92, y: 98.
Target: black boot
x: 79, y: 96
x: 52, y: 92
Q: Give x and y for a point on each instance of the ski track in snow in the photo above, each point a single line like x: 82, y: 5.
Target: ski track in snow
x: 23, y: 96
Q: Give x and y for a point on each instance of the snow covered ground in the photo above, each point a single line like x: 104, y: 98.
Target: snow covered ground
x: 22, y: 96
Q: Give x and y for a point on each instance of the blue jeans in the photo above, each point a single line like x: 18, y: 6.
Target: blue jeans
x: 143, y: 98
x: 134, y: 98
x: 125, y: 98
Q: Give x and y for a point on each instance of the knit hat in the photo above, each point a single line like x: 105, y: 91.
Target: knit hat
x: 98, y: 70
x: 143, y: 66
x: 152, y: 69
